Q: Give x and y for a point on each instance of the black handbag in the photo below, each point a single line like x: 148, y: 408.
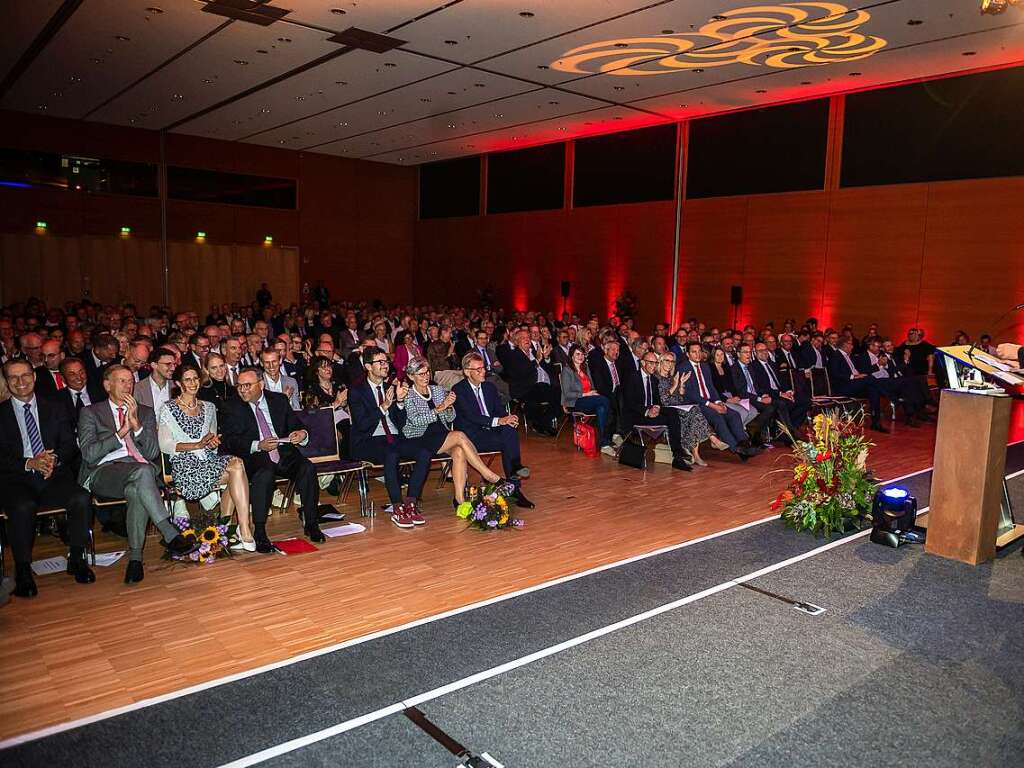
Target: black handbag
x: 633, y: 455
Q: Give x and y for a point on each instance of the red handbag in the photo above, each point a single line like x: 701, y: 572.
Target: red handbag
x: 585, y: 437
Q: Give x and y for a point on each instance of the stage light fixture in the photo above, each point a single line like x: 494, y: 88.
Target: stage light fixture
x: 893, y: 515
x: 200, y: 236
x: 41, y: 226
x: 268, y: 240
x: 125, y: 231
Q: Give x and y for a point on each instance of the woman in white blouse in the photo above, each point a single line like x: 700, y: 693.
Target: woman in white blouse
x: 188, y: 435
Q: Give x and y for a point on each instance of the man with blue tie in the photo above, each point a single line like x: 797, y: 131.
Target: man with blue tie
x: 480, y: 414
x: 699, y: 390
x: 37, y: 457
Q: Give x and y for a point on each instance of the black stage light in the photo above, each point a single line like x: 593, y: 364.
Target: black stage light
x: 894, y: 513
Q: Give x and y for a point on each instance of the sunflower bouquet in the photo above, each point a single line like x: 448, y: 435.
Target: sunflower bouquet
x: 487, y: 507
x: 832, y: 488
x: 213, y: 533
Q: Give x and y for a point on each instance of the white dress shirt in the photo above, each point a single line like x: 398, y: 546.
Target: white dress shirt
x: 160, y: 394
x: 19, y: 414
x: 378, y: 389
x: 478, y: 396
x: 86, y: 400
x: 881, y: 373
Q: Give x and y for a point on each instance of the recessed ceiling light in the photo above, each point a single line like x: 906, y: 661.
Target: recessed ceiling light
x: 562, y: 128
x: 41, y: 107
x: 619, y: 88
x: 622, y: 45
x: 280, y: 141
x: 337, y: 11
x: 264, y: 110
x: 300, y: 98
x: 805, y: 82
x: 122, y: 38
x: 342, y: 125
x: 390, y: 65
x: 498, y: 114
x: 96, y: 61
x: 177, y: 97
x: 425, y: 101
x: 451, y: 42
x: 284, y: 39
x: 207, y: 80
x: 479, y: 85
x: 914, y: 22
x: 242, y: 62
x: 262, y: 50
x: 154, y: 9
x: 526, y: 14
x: 760, y: 90
x: 74, y: 79
x: 668, y: 31
x: 698, y: 70
x: 718, y: 17
x: 382, y: 112
x: 553, y: 103
x: 969, y: 53
x: 340, y: 82
x: 855, y: 74
x: 515, y: 138
x: 451, y: 125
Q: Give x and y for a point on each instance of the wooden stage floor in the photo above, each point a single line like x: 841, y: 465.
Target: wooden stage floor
x: 79, y: 650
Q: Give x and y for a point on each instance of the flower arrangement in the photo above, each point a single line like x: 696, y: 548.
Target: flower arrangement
x: 832, y: 489
x: 212, y: 532
x: 487, y: 507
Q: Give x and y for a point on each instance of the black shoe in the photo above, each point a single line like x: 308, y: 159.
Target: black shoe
x: 182, y: 545
x: 24, y: 582
x: 743, y: 454
x: 522, y: 502
x: 263, y: 545
x: 133, y: 574
x: 314, y: 534
x: 78, y: 568
x: 681, y: 464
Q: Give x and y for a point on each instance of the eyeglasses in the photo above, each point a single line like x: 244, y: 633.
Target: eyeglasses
x: 476, y: 368
x: 380, y: 362
x: 242, y: 385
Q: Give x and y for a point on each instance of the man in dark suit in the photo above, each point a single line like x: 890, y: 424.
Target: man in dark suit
x: 890, y: 380
x: 102, y: 355
x: 532, y: 381
x: 560, y: 352
x: 848, y: 381
x: 480, y: 414
x: 641, y: 406
x: 484, y: 347
x: 791, y: 406
x: 811, y: 354
x: 119, y: 444
x: 378, y: 416
x: 262, y: 429
x: 699, y: 390
x: 78, y: 393
x: 349, y: 337
x: 38, y: 454
x: 604, y: 374
x: 49, y: 380
x: 628, y: 361
x: 745, y: 388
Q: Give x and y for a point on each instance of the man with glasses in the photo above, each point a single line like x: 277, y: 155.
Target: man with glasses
x: 198, y: 349
x: 378, y: 416
x: 155, y: 390
x: 49, y: 380
x: 641, y: 406
x: 480, y: 414
x: 263, y: 430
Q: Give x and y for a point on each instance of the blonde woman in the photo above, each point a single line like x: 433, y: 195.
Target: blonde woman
x: 694, y: 428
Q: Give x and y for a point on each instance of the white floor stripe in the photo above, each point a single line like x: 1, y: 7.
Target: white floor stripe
x: 487, y: 674
x: 142, y: 704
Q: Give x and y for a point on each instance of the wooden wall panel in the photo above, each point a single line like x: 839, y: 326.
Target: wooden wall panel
x: 713, y: 245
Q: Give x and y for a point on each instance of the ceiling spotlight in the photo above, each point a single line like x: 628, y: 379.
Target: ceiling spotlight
x: 760, y: 90
x: 262, y: 50
x: 553, y: 103
x: 498, y: 114
x: 390, y: 65
x: 207, y: 80
x: 425, y: 101
x: 698, y: 70
x: 855, y: 74
x: 242, y: 62
x: 619, y: 88
x: 451, y: 125
x: 96, y: 61
x: 337, y: 11
x: 622, y: 45
x: 284, y: 39
x: 542, y: 66
x: 668, y: 31
x: 996, y: 6
x: 479, y: 85
x: 451, y: 42
x: 41, y: 107
x: 526, y: 14
x: 122, y: 38
x: 718, y: 17
x: 914, y: 22
x: 177, y: 97
x: 968, y: 53
x: 154, y: 9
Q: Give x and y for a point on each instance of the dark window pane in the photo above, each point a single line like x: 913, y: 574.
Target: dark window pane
x: 526, y: 180
x: 450, y: 188
x: 233, y: 188
x: 966, y: 127
x: 776, y: 149
x: 20, y: 168
x: 630, y: 167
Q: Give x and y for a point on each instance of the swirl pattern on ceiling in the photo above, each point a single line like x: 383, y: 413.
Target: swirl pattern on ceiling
x: 783, y: 36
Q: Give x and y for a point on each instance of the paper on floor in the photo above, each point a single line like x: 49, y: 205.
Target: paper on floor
x: 58, y: 564
x: 343, y: 530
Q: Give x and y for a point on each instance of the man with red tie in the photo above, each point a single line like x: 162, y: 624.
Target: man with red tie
x: 119, y: 444
x: 49, y: 380
x: 699, y: 390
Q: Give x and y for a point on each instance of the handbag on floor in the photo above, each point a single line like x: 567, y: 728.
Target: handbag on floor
x: 633, y: 454
x: 584, y: 436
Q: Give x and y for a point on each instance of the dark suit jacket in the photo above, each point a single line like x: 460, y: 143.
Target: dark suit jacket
x: 863, y: 362
x: 805, y: 356
x: 55, y: 428
x: 625, y: 364
x: 840, y: 374
x: 93, y: 372
x: 600, y: 376
x: 468, y: 418
x: 239, y: 429
x: 634, y: 399
x: 45, y: 384
x: 691, y: 390
x: 366, y: 415
x: 762, y: 382
x: 739, y: 382
x: 522, y: 373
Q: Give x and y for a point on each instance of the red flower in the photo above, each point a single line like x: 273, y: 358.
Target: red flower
x: 823, y: 456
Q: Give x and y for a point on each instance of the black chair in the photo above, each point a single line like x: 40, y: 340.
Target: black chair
x: 324, y: 452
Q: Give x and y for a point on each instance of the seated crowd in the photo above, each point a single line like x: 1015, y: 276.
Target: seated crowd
x: 91, y: 396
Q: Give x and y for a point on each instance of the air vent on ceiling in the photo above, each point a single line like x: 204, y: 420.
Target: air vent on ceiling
x: 367, y: 41
x: 253, y: 11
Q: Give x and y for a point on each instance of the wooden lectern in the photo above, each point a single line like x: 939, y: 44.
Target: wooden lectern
x: 967, y: 480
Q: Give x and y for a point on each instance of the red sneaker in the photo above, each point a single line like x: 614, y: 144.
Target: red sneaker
x: 400, y: 517
x: 416, y: 517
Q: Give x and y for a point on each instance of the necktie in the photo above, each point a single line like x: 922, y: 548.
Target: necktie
x: 817, y: 358
x: 129, y: 443
x: 849, y: 362
x: 34, y: 438
x: 261, y: 421
x: 79, y: 405
x: 789, y: 359
x: 59, y: 381
x: 232, y: 376
x: 648, y: 399
x: 700, y: 382
x: 480, y: 400
x: 615, y: 376
x: 384, y: 422
x: 750, y: 381
x: 771, y: 375
x: 487, y: 360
